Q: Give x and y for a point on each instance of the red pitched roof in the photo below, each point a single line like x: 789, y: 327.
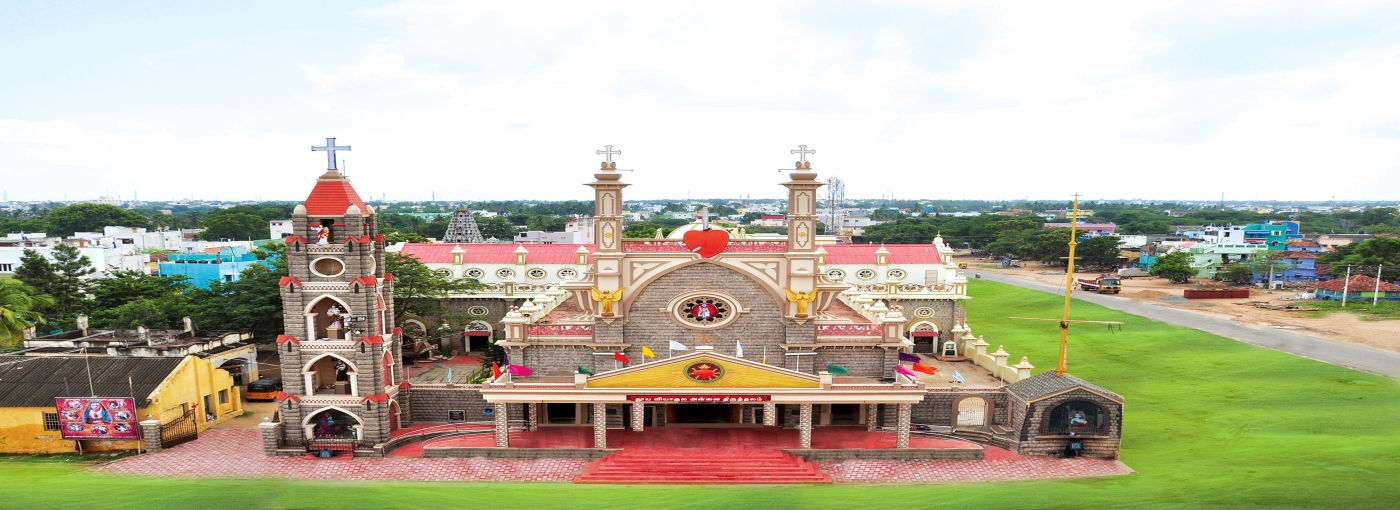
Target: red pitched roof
x: 1359, y: 283
x: 495, y: 253
x: 865, y: 253
x: 1298, y: 255
x: 332, y: 195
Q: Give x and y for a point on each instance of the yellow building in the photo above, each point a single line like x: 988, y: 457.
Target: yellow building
x: 172, y: 390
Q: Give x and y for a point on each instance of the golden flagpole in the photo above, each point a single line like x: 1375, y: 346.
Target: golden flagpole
x: 1069, y: 286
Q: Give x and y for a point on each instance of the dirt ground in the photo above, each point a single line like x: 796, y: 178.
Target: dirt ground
x: 1338, y: 326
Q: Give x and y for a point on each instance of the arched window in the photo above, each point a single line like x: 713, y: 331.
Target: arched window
x: 1078, y: 417
x: 332, y: 422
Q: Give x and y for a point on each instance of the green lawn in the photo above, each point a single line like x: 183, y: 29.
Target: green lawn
x: 1210, y: 423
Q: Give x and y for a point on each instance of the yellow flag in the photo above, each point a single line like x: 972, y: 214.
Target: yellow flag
x: 646, y: 351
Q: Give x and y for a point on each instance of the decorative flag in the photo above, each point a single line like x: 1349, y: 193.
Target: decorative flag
x: 505, y: 359
x: 449, y: 375
x: 958, y: 378
x: 677, y: 346
x: 920, y: 367
x: 518, y: 370
x: 496, y: 370
x: 738, y: 349
x: 621, y: 357
x: 904, y: 356
x: 646, y: 351
x: 584, y: 371
x: 906, y: 372
x: 837, y: 369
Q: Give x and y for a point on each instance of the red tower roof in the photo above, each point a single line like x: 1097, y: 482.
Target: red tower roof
x: 332, y: 195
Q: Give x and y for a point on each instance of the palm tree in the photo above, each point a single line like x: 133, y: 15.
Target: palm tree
x: 17, y: 304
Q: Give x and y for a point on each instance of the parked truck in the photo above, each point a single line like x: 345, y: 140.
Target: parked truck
x: 1102, y: 284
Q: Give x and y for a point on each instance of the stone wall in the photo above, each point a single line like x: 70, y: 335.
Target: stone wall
x: 650, y: 323
x: 430, y: 405
x: 1034, y: 440
x: 860, y: 361
x: 940, y: 408
x: 562, y: 360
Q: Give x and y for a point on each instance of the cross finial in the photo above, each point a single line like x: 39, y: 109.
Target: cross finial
x: 608, y: 150
x: 802, y: 151
x: 704, y: 338
x: 705, y: 218
x: 330, y: 149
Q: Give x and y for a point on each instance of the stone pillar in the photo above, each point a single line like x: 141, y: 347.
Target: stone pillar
x: 150, y: 435
x: 271, y: 431
x: 901, y: 438
x: 804, y: 426
x: 600, y: 425
x: 872, y: 417
x: 502, y: 426
x: 532, y: 422
x: 770, y: 414
x: 638, y: 416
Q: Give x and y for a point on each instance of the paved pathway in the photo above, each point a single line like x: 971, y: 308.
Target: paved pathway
x: 237, y: 453
x: 1351, y: 356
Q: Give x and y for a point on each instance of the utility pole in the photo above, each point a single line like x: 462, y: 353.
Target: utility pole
x: 1069, y: 286
x: 1376, y: 293
x: 1346, y: 287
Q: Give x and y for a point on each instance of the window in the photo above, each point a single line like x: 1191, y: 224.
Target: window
x: 567, y: 274
x: 7, y: 268
x: 475, y: 273
x: 505, y: 273
x: 446, y: 273
x: 1077, y: 417
x: 865, y: 274
x: 898, y: 274
x: 537, y: 273
x: 479, y: 311
x: 50, y: 421
x: 223, y: 396
x: 835, y: 274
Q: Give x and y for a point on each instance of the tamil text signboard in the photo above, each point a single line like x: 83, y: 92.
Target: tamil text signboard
x: 698, y: 399
x: 97, y: 418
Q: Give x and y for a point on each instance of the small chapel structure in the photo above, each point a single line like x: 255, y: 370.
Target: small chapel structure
x: 707, y: 331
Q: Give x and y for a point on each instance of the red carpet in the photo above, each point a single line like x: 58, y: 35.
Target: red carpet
x: 697, y: 466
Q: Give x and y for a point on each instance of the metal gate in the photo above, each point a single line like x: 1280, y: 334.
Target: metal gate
x: 181, y: 430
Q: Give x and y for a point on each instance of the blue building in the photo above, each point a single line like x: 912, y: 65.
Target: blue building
x: 202, y: 268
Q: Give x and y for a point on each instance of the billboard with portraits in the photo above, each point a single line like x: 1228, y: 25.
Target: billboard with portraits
x: 97, y: 418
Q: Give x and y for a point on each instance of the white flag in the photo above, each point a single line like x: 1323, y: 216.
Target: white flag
x: 677, y: 346
x: 738, y: 349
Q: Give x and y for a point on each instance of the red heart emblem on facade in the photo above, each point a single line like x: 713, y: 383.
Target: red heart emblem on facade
x: 707, y: 243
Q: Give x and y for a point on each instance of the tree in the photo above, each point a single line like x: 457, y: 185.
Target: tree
x: 1174, y: 266
x: 61, y: 279
x: 132, y: 298
x: 885, y: 214
x: 19, y: 309
x: 1101, y: 251
x: 724, y: 210
x: 545, y: 223
x: 418, y: 290
x: 750, y: 217
x: 496, y: 227
x: 91, y: 218
x: 1239, y: 273
x: 394, y: 237
x: 238, y: 225
x: 675, y: 207
x: 252, y: 302
x: 644, y: 230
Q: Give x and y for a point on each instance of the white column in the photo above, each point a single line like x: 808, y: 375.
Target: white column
x: 600, y: 425
x: 804, y: 426
x: 502, y: 426
x: 902, y: 433
x: 638, y: 416
x: 770, y: 414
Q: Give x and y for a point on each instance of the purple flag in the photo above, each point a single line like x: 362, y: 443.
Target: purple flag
x: 505, y: 359
x: 904, y: 356
x: 518, y: 370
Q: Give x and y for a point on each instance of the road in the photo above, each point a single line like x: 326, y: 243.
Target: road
x: 1355, y: 357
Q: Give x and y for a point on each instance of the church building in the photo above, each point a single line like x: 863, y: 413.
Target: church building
x: 706, y: 331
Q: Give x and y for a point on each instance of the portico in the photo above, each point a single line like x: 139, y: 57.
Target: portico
x: 726, y: 392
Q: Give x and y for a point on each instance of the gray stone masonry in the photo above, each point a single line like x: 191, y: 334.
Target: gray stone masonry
x: 860, y: 361
x: 150, y: 435
x: 614, y: 416
x: 804, y: 426
x: 1035, y: 440
x: 872, y: 417
x: 502, y: 427
x: 770, y: 414
x: 271, y: 432
x: 532, y: 417
x: 940, y: 408
x: 431, y: 405
x: 638, y: 416
x: 600, y: 426
x: 564, y: 359
x: 901, y: 438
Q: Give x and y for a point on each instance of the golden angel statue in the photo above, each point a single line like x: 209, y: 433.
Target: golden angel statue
x: 802, y: 299
x: 606, y: 299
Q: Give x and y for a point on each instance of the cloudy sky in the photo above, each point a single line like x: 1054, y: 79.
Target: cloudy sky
x: 509, y: 100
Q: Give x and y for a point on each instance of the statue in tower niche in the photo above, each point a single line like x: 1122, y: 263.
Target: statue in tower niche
x: 606, y: 299
x: 803, y: 299
x: 323, y: 236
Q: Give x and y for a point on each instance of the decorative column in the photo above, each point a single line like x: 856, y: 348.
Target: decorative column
x: 607, y: 227
x: 533, y: 421
x: 804, y: 426
x: 600, y: 425
x: 270, y: 432
x: 638, y: 416
x: 150, y: 435
x: 802, y: 230
x: 872, y: 417
x: 502, y: 426
x: 901, y: 438
x: 770, y: 414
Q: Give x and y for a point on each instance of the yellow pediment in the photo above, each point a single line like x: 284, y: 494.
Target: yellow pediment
x: 704, y: 371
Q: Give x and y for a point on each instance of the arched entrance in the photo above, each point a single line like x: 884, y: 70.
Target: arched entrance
x: 477, y: 335
x: 971, y: 412
x: 393, y: 415
x: 332, y: 423
x: 925, y: 336
x: 323, y: 313
x: 329, y: 374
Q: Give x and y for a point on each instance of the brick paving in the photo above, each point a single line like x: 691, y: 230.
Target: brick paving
x: 237, y: 453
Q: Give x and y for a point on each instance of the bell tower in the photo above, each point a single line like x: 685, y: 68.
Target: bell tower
x: 607, y: 222
x: 340, y: 352
x: 802, y: 226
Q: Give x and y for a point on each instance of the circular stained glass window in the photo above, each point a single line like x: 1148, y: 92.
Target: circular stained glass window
x: 537, y: 273
x: 444, y: 272
x: 835, y: 274
x: 923, y: 312
x: 475, y: 273
x: 505, y: 273
x: 568, y: 274
x: 865, y: 274
x: 705, y: 310
x: 478, y: 311
x: 898, y: 274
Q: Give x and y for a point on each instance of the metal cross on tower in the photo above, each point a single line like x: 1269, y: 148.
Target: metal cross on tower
x: 802, y: 152
x: 608, y: 150
x: 705, y: 216
x: 330, y: 149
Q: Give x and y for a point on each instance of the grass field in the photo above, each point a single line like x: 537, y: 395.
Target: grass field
x: 1210, y: 423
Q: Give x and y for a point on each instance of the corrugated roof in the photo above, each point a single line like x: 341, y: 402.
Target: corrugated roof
x: 1359, y: 283
x: 35, y: 381
x: 496, y: 253
x: 865, y: 253
x: 332, y: 195
x: 1049, y: 384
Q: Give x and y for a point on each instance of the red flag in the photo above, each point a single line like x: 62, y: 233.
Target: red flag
x: 920, y: 367
x: 496, y: 370
x: 618, y: 356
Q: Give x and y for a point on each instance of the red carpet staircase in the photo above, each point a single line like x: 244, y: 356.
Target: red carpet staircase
x: 701, y: 467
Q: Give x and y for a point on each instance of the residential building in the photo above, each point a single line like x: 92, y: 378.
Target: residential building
x: 1208, y: 258
x: 225, y: 265
x: 1358, y: 287
x: 280, y: 228
x: 538, y: 237
x: 1331, y: 242
x: 583, y: 226
x: 770, y: 220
